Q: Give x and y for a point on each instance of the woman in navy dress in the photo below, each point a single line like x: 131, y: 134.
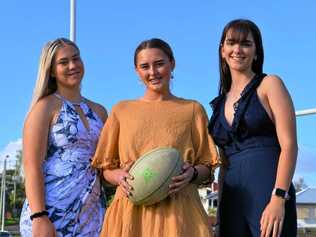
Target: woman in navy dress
x: 253, y: 122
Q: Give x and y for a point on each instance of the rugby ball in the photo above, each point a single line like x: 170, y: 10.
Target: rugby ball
x: 152, y: 174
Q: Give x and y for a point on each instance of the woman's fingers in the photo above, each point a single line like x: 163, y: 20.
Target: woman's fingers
x: 186, y: 166
x: 263, y: 226
x: 280, y: 228
x: 272, y: 226
x: 126, y: 187
x: 269, y: 229
x: 275, y: 229
x: 180, y: 181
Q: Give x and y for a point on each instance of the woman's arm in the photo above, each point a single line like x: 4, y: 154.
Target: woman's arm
x: 283, y: 114
x: 35, y: 135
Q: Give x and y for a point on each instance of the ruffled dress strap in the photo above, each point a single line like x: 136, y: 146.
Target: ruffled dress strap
x: 245, y: 97
x: 216, y: 107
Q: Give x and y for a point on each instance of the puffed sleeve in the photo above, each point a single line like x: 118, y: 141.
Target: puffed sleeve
x: 203, y: 143
x: 107, y: 152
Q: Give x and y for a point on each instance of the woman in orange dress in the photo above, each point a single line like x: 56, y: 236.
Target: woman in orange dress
x: 157, y: 119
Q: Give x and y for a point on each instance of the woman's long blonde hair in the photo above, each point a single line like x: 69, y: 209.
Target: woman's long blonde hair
x: 45, y: 83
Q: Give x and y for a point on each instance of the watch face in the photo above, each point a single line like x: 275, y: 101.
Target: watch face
x: 279, y: 192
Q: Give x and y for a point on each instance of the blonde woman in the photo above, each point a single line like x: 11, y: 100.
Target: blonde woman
x: 63, y: 196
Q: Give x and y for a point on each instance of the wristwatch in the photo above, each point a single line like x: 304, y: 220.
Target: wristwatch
x: 281, y: 193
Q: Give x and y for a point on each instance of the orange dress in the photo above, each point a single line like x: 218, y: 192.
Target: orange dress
x: 135, y: 127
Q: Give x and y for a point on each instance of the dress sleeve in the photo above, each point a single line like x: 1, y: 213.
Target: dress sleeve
x: 107, y: 152
x: 203, y: 143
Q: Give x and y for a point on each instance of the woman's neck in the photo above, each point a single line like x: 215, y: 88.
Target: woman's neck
x: 240, y: 80
x: 157, y: 96
x: 70, y: 94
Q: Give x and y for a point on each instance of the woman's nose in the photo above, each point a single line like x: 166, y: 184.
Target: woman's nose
x: 152, y: 70
x: 237, y: 48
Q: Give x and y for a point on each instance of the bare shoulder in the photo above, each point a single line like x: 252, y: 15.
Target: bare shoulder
x: 42, y: 113
x: 44, y: 108
x: 98, y: 109
x: 272, y: 81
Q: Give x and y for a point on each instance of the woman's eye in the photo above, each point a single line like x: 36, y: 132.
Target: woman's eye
x: 63, y: 62
x: 246, y: 44
x: 144, y: 67
x: 160, y: 64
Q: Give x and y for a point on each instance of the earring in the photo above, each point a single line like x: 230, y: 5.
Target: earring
x: 255, y: 58
x: 172, y: 76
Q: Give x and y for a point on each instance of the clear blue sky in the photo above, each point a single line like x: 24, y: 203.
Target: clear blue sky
x: 109, y: 31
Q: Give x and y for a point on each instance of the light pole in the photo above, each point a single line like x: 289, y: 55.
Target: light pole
x: 73, y: 20
x: 2, y: 195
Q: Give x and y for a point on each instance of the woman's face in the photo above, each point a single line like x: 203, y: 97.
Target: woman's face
x: 239, y: 55
x: 67, y: 68
x: 154, y: 68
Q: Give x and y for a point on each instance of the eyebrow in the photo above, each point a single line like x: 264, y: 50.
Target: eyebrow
x: 239, y: 41
x: 157, y: 61
x: 65, y: 58
x: 160, y: 61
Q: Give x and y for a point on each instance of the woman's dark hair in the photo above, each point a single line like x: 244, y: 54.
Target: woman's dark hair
x: 157, y: 44
x: 239, y: 29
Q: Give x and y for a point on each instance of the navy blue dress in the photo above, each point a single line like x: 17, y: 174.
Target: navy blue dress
x: 252, y: 149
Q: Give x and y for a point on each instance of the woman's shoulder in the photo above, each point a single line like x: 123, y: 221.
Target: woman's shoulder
x: 47, y: 104
x: 99, y: 109
x: 193, y: 105
x: 215, y: 102
x: 44, y: 109
x: 196, y: 104
x: 271, y: 79
x: 271, y: 82
x: 124, y: 104
x: 186, y: 101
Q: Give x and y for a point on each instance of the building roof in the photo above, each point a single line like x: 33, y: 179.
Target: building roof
x: 306, y: 196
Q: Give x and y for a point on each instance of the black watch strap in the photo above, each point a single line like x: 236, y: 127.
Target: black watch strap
x: 39, y: 214
x: 195, y: 174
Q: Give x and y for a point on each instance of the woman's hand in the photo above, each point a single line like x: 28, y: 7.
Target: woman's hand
x: 180, y: 181
x: 121, y: 177
x: 43, y: 227
x: 272, y: 218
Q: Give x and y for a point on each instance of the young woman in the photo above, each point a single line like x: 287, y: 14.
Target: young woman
x: 157, y: 119
x: 59, y: 138
x: 253, y: 121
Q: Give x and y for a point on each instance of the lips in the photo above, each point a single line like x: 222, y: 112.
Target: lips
x: 237, y: 57
x: 73, y: 73
x: 155, y: 81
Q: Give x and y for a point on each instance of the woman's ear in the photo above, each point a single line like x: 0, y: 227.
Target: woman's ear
x: 136, y: 70
x: 52, y: 74
x: 173, y: 65
x: 52, y: 71
x: 222, y: 51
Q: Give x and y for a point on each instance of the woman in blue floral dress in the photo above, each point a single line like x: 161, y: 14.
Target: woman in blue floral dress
x: 59, y: 138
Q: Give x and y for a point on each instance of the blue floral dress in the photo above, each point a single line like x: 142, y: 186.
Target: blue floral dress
x: 72, y: 187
